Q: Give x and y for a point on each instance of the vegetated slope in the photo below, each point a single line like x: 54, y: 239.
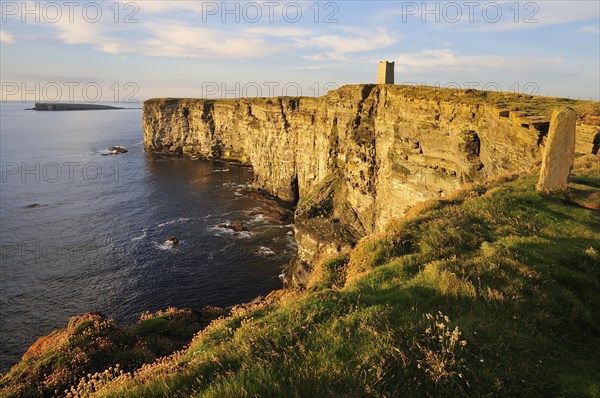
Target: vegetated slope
x: 493, y: 291
x: 92, y: 343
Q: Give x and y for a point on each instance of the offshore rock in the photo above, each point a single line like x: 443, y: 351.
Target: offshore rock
x: 171, y: 240
x: 235, y: 226
x: 118, y: 149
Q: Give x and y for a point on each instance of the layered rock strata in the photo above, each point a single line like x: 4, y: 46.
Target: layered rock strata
x: 354, y: 158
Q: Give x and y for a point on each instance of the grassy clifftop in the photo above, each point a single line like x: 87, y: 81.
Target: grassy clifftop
x: 491, y: 292
x: 587, y: 111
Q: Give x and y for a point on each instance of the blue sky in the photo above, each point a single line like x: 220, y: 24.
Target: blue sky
x: 141, y: 49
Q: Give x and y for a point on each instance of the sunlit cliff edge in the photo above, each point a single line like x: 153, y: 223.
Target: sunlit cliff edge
x: 363, y: 154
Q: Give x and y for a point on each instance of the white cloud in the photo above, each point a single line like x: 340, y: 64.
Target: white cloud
x: 338, y: 47
x: 482, y: 16
x: 432, y: 60
x: 541, y: 14
x: 278, y: 32
x: 593, y: 29
x: 244, y: 11
x: 560, y: 12
x: 362, y: 41
x: 179, y: 40
x: 173, y: 38
x: 80, y: 32
x: 153, y: 6
x: 315, y: 67
x: 6, y: 37
x: 159, y: 35
x: 111, y: 47
x: 165, y: 38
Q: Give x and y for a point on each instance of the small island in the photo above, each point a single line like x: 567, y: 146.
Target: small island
x: 55, y: 106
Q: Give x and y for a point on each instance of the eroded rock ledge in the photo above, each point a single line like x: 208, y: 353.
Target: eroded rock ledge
x: 360, y: 155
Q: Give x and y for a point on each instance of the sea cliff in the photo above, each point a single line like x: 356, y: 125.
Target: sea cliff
x: 363, y: 154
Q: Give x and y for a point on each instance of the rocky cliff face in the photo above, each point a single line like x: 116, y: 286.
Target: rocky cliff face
x: 356, y: 157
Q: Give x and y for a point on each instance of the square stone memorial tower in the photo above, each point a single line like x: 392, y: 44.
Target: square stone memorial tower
x: 385, y: 73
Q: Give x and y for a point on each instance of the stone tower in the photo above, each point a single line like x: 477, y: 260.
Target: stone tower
x: 385, y: 73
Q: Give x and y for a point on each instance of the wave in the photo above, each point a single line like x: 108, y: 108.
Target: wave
x: 167, y: 246
x: 142, y: 236
x: 220, y: 231
x: 291, y: 243
x: 259, y: 218
x: 163, y: 246
x: 77, y: 155
x: 244, y: 234
x: 236, y: 185
x: 264, y: 251
x: 176, y: 221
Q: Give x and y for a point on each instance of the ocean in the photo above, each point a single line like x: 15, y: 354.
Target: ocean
x: 82, y: 230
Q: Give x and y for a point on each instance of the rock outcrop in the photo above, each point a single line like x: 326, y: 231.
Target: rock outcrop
x: 235, y: 226
x: 559, y: 154
x: 117, y: 149
x: 171, y: 241
x: 357, y: 156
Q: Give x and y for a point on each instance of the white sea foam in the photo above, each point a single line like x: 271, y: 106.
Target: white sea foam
x: 177, y: 221
x: 243, y: 234
x: 167, y: 245
x: 142, y: 236
x: 221, y: 230
x: 264, y: 251
x: 259, y: 218
x: 164, y: 246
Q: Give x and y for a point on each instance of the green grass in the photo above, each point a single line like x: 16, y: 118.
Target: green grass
x: 92, y: 343
x: 492, y: 292
x: 516, y: 271
x: 587, y: 111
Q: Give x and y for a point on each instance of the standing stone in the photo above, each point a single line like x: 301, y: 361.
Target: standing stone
x: 559, y: 154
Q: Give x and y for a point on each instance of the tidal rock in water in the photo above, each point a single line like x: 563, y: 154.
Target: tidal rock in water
x: 171, y: 240
x: 236, y: 226
x: 117, y: 149
x: 269, y: 207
